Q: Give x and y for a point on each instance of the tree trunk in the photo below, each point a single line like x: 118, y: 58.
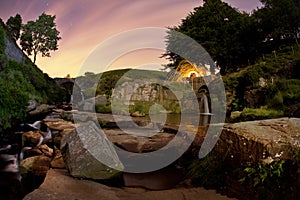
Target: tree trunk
x: 296, y: 40
x: 34, y: 57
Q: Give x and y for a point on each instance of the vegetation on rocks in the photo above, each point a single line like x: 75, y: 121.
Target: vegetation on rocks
x: 266, y: 89
x: 20, y: 82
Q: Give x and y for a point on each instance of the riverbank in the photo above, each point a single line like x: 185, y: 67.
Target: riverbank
x: 270, y: 144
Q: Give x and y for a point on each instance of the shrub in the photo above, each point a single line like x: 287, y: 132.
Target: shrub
x: 208, y: 172
x: 275, y: 180
x: 250, y: 114
x: 141, y: 107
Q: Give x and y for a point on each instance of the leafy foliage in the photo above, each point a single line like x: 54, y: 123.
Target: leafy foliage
x: 279, y: 19
x: 250, y: 114
x: 262, y: 172
x: 235, y: 39
x: 14, y: 25
x: 208, y: 171
x: 2, y: 32
x: 275, y: 180
x: 20, y: 82
x: 40, y: 36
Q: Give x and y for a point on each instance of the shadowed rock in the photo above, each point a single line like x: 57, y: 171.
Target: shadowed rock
x: 251, y: 142
x: 86, y: 149
x: 59, y: 186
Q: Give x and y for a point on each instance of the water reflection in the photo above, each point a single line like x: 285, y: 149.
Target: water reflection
x: 189, y: 119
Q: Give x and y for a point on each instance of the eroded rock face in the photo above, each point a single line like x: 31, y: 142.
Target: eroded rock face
x: 83, y: 151
x: 251, y: 142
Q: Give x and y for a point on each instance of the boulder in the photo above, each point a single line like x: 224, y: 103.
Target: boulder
x: 36, y: 165
x: 57, y: 124
x: 58, y: 161
x: 247, y: 143
x: 31, y: 105
x: 39, y: 150
x: 31, y: 138
x: 41, y: 111
x: 85, y: 149
x: 137, y: 114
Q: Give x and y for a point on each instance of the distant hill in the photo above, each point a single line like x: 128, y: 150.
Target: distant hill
x: 21, y: 81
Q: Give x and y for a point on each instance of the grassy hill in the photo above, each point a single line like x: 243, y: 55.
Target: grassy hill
x: 20, y: 82
x: 268, y: 89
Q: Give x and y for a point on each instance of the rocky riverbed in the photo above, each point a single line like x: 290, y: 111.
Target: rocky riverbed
x: 54, y: 159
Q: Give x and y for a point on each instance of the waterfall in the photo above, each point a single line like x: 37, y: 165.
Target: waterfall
x: 204, y: 107
x: 205, y: 114
x: 44, y: 136
x: 82, y: 96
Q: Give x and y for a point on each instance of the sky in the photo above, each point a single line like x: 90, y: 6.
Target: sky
x: 84, y: 24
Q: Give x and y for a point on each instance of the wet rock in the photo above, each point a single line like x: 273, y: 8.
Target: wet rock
x: 130, y: 144
x: 31, y: 105
x: 57, y: 137
x: 58, y: 161
x: 10, y: 181
x: 161, y: 179
x: 155, y: 144
x: 36, y: 165
x: 41, y: 111
x: 57, y: 124
x: 31, y: 138
x: 85, y: 149
x: 67, y: 115
x: 39, y: 150
x: 251, y: 142
x: 137, y: 114
x: 140, y: 141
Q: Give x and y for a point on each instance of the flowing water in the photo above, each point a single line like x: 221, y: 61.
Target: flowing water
x: 12, y: 185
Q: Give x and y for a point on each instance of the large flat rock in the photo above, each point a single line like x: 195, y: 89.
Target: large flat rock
x: 250, y: 142
x: 58, y: 185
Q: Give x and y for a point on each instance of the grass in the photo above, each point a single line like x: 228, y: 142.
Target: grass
x: 20, y: 82
x: 281, y: 75
x: 250, y: 114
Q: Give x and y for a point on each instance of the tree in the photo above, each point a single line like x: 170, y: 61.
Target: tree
x: 279, y: 20
x: 14, y: 25
x: 40, y: 36
x: 223, y: 31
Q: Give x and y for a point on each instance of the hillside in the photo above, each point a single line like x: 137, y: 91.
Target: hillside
x: 21, y: 81
x: 270, y: 88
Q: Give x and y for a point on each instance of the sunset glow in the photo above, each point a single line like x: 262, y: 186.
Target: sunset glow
x: 83, y: 24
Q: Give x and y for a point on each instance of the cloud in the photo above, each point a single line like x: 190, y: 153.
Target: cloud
x: 84, y: 24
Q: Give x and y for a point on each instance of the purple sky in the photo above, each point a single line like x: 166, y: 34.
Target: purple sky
x: 86, y: 23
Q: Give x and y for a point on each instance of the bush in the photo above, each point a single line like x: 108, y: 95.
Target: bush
x: 208, y: 172
x: 250, y: 114
x: 103, y: 108
x: 274, y: 180
x: 141, y: 107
